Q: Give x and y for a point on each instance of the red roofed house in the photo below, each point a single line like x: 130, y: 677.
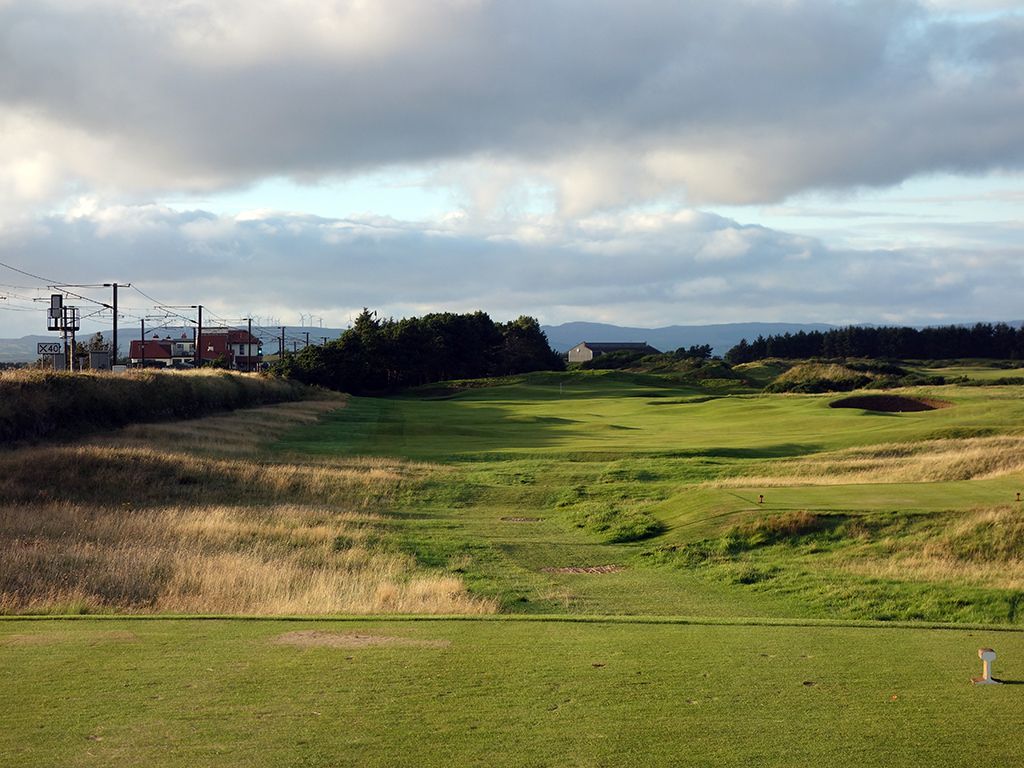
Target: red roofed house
x: 246, y: 349
x: 155, y: 351
x: 238, y: 349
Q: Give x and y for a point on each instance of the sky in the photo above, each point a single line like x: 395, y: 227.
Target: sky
x: 646, y: 163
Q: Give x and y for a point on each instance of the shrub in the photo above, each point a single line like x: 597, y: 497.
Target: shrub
x: 37, y: 404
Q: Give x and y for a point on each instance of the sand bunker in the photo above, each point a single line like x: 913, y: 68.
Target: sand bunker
x: 310, y: 638
x: 890, y: 403
x: 585, y: 569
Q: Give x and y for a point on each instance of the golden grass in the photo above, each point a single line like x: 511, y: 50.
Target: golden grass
x: 36, y: 405
x: 925, y: 461
x: 196, y: 517
x: 239, y: 433
x: 984, y: 547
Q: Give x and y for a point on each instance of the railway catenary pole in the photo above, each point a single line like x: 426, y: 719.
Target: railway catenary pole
x: 113, y: 340
x: 199, y: 338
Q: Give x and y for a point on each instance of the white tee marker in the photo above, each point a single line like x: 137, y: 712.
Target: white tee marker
x: 987, y: 656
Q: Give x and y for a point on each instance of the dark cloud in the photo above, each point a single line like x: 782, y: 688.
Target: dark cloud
x: 608, y: 101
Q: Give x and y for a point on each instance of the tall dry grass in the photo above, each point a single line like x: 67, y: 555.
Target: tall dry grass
x: 924, y: 461
x: 197, y: 517
x: 280, y: 559
x: 983, y: 547
x: 38, y: 404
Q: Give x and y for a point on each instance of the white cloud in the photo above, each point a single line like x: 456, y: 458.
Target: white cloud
x: 630, y: 268
x: 603, y: 103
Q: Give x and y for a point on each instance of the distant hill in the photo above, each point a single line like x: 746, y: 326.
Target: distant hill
x: 720, y: 337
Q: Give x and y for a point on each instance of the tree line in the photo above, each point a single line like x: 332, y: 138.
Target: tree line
x: 377, y: 355
x: 988, y: 340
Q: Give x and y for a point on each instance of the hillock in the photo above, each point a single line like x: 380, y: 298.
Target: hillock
x: 847, y: 375
x: 39, y: 404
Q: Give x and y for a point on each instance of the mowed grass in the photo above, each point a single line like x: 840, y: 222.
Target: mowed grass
x: 607, y: 469
x: 599, y: 412
x: 501, y: 693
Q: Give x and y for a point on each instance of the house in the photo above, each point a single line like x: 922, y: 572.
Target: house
x: 155, y: 351
x: 238, y: 349
x: 183, y: 350
x: 588, y: 350
x: 246, y: 350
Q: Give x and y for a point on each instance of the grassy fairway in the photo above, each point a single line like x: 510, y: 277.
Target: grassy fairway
x: 595, y: 506
x: 598, y: 469
x: 495, y: 693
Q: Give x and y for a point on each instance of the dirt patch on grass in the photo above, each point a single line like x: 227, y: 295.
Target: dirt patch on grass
x: 316, y: 638
x: 890, y: 403
x: 521, y: 519
x: 585, y: 569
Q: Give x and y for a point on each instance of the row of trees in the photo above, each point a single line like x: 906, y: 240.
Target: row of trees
x: 377, y: 355
x: 989, y: 340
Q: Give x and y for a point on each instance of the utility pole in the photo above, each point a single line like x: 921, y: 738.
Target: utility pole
x: 69, y: 358
x: 307, y: 338
x: 73, y: 311
x: 281, y: 353
x: 142, y: 364
x: 113, y: 341
x: 324, y: 339
x: 248, y: 348
x: 199, y: 337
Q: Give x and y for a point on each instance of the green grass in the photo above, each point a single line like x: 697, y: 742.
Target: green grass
x: 614, y: 466
x: 975, y: 370
x: 503, y: 693
x: 794, y: 657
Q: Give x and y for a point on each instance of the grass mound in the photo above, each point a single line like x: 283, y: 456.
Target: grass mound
x: 38, y: 404
x: 890, y: 403
x: 821, y: 377
x: 848, y: 374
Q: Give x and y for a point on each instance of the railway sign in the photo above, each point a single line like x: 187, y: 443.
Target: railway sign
x: 49, y: 348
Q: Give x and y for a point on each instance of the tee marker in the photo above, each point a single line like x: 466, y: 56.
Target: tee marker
x: 987, y: 656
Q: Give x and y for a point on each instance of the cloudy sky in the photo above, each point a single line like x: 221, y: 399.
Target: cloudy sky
x: 644, y: 163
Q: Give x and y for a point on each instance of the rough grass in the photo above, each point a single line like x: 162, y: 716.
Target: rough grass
x: 820, y: 377
x: 905, y: 462
x: 982, y: 547
x: 36, y: 404
x: 938, y: 567
x: 140, y: 522
x: 283, y: 559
